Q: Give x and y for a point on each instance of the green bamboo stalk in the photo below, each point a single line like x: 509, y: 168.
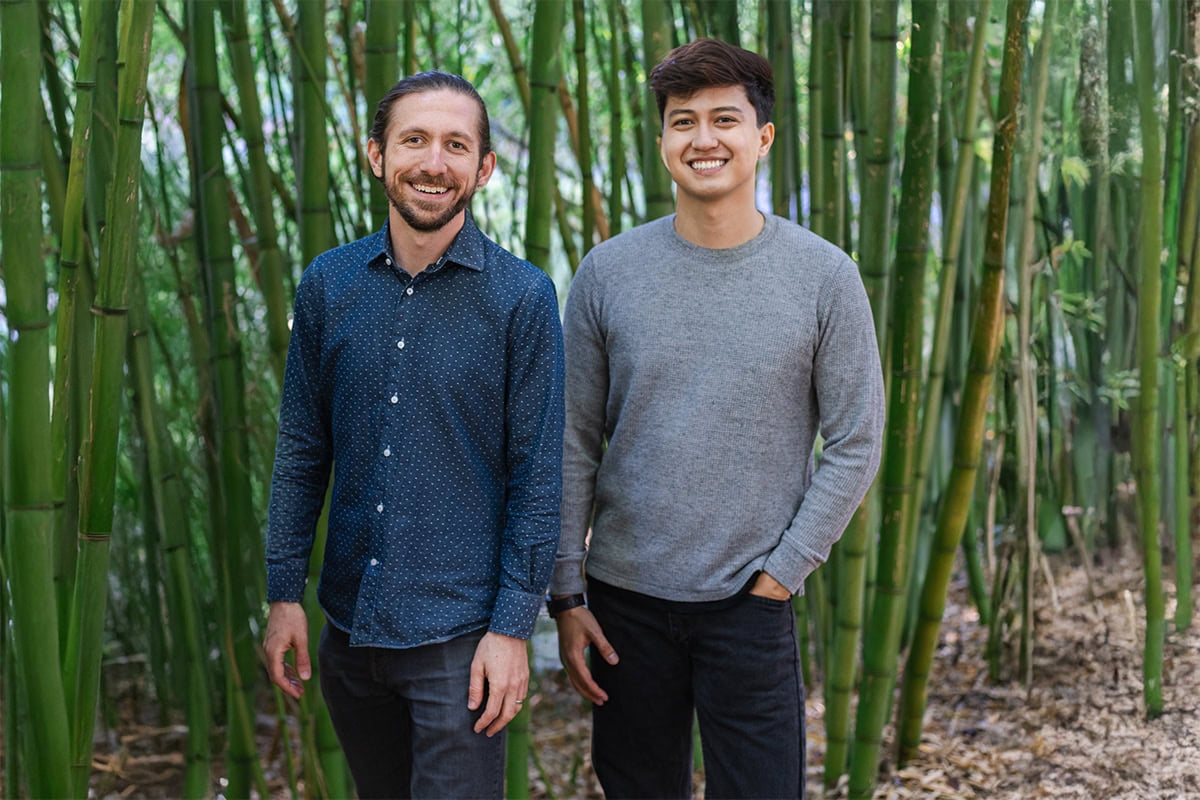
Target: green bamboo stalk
x: 816, y: 90
x: 235, y: 518
x: 74, y: 253
x: 895, y: 539
x: 29, y: 491
x: 382, y: 62
x: 876, y: 156
x: 1026, y: 382
x: 1189, y: 219
x: 309, y: 79
x: 783, y: 152
x: 99, y: 453
x: 968, y: 440
x: 270, y: 258
x: 827, y: 15
x: 58, y: 136
x: 656, y: 42
x: 616, y: 105
x: 589, y: 204
x: 170, y: 510
x: 545, y: 72
x: 875, y: 144
x: 1146, y: 438
x: 955, y: 209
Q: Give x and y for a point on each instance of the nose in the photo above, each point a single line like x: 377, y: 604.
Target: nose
x: 432, y: 163
x: 704, y: 138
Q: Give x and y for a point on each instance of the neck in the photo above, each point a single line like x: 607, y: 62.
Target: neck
x: 414, y: 249
x: 717, y: 226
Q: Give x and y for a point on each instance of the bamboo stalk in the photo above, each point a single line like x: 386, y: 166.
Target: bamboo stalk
x: 895, y: 539
x: 29, y: 490
x: 99, y: 452
x: 968, y: 440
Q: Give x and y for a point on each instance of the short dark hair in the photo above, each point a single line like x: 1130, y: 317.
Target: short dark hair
x: 430, y: 82
x: 707, y: 63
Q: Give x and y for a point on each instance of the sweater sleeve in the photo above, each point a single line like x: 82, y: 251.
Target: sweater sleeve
x: 583, y: 437
x: 848, y: 384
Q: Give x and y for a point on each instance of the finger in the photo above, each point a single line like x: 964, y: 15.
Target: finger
x: 475, y: 689
x: 582, y: 680
x: 303, y: 666
x: 495, y: 705
x: 606, y: 650
x: 508, y: 711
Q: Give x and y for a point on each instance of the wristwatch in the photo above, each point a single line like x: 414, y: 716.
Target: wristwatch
x: 557, y: 605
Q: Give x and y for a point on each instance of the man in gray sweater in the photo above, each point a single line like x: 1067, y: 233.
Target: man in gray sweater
x: 704, y: 353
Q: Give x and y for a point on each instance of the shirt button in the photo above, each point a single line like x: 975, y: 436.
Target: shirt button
x: 389, y: 261
x: 395, y: 399
x: 400, y: 344
x: 409, y: 290
x: 387, y: 451
x: 379, y: 508
x: 374, y: 562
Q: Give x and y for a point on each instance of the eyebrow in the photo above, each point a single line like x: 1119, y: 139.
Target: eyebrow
x: 717, y: 110
x: 450, y: 135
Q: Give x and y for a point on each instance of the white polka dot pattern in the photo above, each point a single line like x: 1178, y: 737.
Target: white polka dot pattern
x: 439, y: 399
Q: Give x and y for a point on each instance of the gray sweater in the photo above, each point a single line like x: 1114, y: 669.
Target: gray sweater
x: 697, y: 381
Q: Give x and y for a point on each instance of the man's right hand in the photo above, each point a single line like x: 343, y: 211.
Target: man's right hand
x: 577, y: 629
x: 287, y: 629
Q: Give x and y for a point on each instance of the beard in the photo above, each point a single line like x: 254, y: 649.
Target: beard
x: 421, y: 216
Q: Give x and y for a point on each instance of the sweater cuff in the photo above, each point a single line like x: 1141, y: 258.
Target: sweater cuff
x: 790, y: 566
x: 568, y: 577
x: 286, y: 582
x: 515, y: 613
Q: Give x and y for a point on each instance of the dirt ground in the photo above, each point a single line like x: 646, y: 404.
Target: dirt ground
x: 1079, y: 732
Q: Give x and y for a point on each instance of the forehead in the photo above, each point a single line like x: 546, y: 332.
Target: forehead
x: 709, y: 98
x: 440, y: 110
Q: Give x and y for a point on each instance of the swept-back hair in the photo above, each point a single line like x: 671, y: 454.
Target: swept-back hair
x: 430, y: 82
x: 707, y: 63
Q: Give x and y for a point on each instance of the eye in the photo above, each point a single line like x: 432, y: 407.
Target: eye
x: 458, y: 146
x: 411, y: 140
x: 681, y: 123
x: 727, y: 120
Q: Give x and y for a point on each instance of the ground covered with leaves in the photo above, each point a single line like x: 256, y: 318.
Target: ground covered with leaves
x: 1080, y: 730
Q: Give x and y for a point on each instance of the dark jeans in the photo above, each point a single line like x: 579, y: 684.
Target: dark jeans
x: 737, y: 666
x: 402, y: 719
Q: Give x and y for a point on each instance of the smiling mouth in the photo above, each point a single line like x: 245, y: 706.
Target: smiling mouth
x: 425, y: 188
x: 709, y: 164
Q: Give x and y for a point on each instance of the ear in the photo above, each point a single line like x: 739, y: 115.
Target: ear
x: 486, y: 167
x: 661, y: 155
x: 375, y: 157
x: 766, y: 136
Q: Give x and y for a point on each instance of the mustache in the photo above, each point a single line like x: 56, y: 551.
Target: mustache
x: 429, y: 180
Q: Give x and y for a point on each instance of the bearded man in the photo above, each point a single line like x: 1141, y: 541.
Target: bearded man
x: 425, y: 369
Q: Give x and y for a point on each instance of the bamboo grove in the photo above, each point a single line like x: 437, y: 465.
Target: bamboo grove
x: 1019, y: 184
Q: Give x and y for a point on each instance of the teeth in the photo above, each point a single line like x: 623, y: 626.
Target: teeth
x: 425, y: 188
x: 707, y: 164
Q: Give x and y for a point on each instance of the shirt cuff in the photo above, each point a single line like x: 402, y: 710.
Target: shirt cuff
x: 286, y: 582
x: 515, y: 613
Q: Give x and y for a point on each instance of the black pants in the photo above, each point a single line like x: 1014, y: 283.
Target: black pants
x: 402, y: 719
x: 737, y: 667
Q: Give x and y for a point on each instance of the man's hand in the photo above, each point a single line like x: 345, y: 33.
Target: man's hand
x: 577, y: 629
x: 766, y: 586
x: 503, y: 663
x: 287, y: 629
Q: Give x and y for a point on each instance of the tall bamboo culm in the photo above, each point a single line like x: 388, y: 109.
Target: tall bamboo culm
x: 987, y: 325
x: 99, y: 454
x: 1146, y: 441
x: 904, y: 395
x: 29, y: 515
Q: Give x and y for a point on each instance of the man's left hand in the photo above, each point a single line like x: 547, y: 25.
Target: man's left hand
x: 503, y: 663
x: 766, y: 586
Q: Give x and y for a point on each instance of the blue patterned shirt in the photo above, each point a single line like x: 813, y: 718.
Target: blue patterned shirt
x: 439, y: 400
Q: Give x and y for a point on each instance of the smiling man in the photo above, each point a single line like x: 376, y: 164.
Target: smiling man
x: 425, y: 369
x: 705, y: 352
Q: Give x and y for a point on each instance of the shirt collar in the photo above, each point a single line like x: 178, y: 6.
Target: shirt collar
x: 467, y: 250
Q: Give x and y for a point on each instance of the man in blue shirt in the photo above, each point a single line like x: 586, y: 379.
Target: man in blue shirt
x: 425, y: 364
